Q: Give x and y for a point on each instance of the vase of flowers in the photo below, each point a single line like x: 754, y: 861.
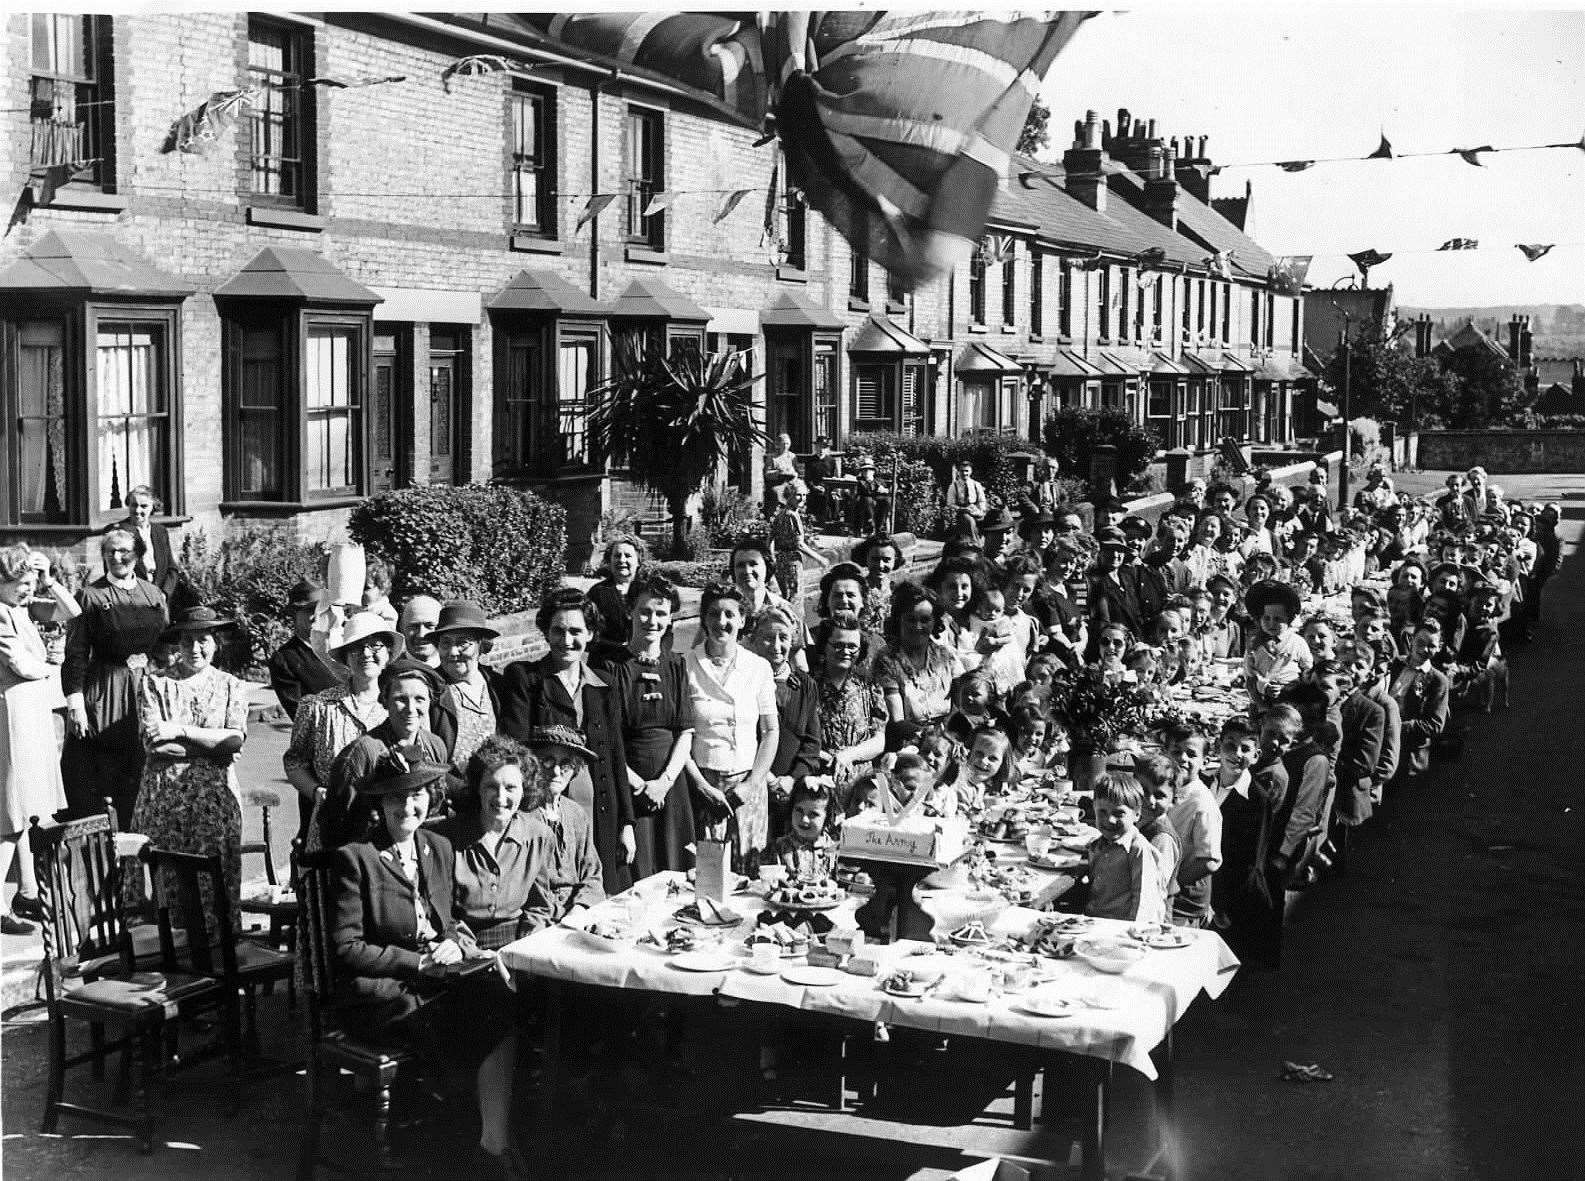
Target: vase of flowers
x: 1096, y: 713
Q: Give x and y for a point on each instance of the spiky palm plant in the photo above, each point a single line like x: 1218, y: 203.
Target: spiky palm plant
x: 671, y: 420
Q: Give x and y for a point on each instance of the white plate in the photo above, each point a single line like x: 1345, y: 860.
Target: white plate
x: 1168, y: 940
x: 811, y: 977
x: 1057, y: 864
x: 761, y: 967
x: 1039, y: 1005
x: 704, y: 961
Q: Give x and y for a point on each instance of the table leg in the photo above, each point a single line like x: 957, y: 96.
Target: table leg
x: 1097, y: 1090
x: 1166, y: 1108
x: 550, y: 1056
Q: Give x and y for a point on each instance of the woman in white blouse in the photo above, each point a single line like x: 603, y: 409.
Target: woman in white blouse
x: 733, y: 694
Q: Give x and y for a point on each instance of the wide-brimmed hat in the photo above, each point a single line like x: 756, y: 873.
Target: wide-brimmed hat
x: 998, y: 520
x: 461, y: 615
x: 1136, y: 525
x: 366, y: 625
x: 307, y: 593
x: 1262, y: 594
x: 406, y: 768
x: 573, y: 740
x: 1038, y: 520
x: 1111, y: 537
x: 198, y: 619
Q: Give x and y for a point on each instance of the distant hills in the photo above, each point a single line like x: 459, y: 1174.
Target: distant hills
x: 1558, y: 328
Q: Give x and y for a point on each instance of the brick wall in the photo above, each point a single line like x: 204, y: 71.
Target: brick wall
x: 1503, y: 451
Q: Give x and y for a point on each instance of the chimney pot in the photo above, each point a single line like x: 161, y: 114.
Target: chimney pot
x: 1124, y: 121
x: 1203, y: 138
x: 1151, y: 131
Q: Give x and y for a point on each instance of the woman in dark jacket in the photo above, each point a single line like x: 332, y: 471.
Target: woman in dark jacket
x: 560, y: 689
x: 625, y: 557
x: 657, y: 726
x: 405, y: 968
x: 777, y: 637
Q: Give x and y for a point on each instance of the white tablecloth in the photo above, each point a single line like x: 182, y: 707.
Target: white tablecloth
x: 1120, y: 1018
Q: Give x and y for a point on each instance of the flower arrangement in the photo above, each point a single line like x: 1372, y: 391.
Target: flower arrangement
x: 1096, y: 713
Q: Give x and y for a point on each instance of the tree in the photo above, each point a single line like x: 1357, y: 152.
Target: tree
x: 672, y: 420
x: 1386, y: 380
x: 1487, y: 389
x: 1036, y: 134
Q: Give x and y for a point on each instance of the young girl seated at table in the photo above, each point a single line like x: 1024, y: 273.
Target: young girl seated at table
x: 1125, y: 870
x: 1040, y: 674
x: 1158, y: 776
x: 1030, y: 730
x: 973, y: 701
x: 1277, y: 656
x: 807, y: 850
x: 986, y: 768
x: 1197, y: 821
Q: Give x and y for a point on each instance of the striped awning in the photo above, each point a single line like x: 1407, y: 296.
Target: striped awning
x: 896, y: 126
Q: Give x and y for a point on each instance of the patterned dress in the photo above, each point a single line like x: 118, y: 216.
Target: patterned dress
x: 189, y: 803
x: 324, y: 726
x: 787, y: 535
x: 926, y: 688
x: 850, y: 713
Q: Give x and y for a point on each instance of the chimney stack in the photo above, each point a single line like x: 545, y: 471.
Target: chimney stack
x: 1085, y: 163
x: 1526, y: 344
x: 1195, y: 173
x: 1161, y: 189
x: 1515, y: 335
x: 1422, y: 335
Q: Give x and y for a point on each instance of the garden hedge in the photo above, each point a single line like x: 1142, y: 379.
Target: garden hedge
x: 500, y: 547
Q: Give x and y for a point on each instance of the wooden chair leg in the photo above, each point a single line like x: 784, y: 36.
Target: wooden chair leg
x: 57, y: 1080
x: 96, y: 1040
x: 384, y: 1158
x: 141, y: 1044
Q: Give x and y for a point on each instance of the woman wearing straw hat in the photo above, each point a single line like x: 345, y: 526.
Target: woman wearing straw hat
x: 194, y: 722
x: 469, y: 707
x: 327, y: 722
x: 405, y: 967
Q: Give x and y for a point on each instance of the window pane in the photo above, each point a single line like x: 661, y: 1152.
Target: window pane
x: 331, y: 405
x: 41, y: 425
x: 575, y: 364
x: 274, y: 68
x: 131, y: 431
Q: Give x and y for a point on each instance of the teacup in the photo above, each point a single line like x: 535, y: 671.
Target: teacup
x: 772, y: 875
x: 1037, y: 842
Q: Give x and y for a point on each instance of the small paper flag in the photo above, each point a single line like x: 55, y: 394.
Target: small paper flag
x: 1459, y: 244
x: 660, y: 201
x: 733, y: 200
x: 476, y: 64
x: 355, y: 83
x: 1383, y: 150
x: 1295, y: 165
x: 1153, y: 257
x: 1472, y: 155
x: 1365, y: 259
x: 592, y: 209
x: 1288, y: 273
x: 1533, y: 252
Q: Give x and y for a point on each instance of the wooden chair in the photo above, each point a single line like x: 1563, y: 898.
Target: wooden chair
x: 242, y: 966
x: 90, y: 971
x: 282, y: 915
x: 373, y: 1067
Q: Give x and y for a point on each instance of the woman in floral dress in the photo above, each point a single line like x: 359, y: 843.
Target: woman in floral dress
x: 917, y: 671
x: 194, y: 722
x: 852, y: 706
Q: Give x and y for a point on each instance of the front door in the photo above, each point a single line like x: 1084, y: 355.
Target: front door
x: 385, y: 403
x: 444, y: 405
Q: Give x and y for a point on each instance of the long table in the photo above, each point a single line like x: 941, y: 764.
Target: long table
x: 1116, y: 1018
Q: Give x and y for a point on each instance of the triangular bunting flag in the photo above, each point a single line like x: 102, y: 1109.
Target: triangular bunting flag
x: 1288, y: 273
x: 661, y: 200
x: 1220, y: 263
x: 202, y: 127
x: 1472, y: 155
x: 592, y: 209
x: 1145, y: 280
x: 1000, y: 247
x: 46, y: 182
x: 1459, y: 244
x: 1365, y: 259
x: 355, y: 83
x: 1533, y: 252
x: 1153, y: 257
x: 1383, y: 151
x: 476, y: 64
x: 1295, y: 165
x: 733, y: 200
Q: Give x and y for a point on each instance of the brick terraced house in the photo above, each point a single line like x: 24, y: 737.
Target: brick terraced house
x: 368, y: 277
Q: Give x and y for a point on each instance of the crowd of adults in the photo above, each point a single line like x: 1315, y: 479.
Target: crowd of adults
x: 465, y: 805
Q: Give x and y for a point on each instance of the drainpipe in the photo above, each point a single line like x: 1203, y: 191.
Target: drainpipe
x: 594, y: 180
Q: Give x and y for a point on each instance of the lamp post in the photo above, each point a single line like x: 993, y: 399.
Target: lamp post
x: 1346, y: 407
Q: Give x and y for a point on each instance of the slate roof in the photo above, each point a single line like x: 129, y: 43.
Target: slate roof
x: 291, y: 272
x: 72, y: 261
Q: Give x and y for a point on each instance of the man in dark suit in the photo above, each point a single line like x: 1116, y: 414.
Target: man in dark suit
x: 296, y: 670
x: 155, y: 561
x: 1421, y: 691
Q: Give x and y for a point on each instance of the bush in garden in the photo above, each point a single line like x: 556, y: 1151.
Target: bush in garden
x: 1072, y: 434
x: 501, y: 547
x: 247, y: 574
x: 988, y: 453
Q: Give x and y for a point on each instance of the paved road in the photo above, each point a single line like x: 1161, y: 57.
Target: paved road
x: 1440, y: 982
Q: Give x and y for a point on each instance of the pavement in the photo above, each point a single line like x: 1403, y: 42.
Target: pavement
x: 1438, y: 981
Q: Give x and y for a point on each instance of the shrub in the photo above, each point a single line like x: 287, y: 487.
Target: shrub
x: 1072, y: 434
x: 725, y: 514
x: 988, y: 453
x: 247, y: 574
x: 501, y: 547
x: 694, y: 574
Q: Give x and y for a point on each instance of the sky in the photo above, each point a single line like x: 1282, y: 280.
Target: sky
x: 1283, y: 83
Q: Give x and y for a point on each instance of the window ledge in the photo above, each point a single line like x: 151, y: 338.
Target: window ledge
x: 896, y: 307
x: 1036, y: 338
x: 58, y: 529
x: 90, y: 200
x: 1009, y: 329
x: 792, y: 274
x: 644, y: 254
x: 285, y: 219
x: 858, y: 305
x: 529, y: 243
x: 980, y: 328
x: 287, y: 508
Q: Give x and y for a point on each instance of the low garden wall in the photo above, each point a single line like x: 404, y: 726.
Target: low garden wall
x: 1503, y: 451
